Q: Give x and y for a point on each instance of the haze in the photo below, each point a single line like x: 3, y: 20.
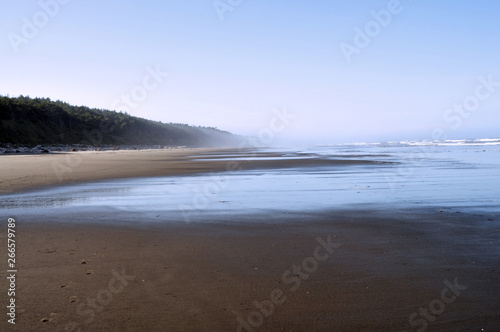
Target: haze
x: 346, y: 70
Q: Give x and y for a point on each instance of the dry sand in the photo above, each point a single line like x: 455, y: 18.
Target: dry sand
x: 20, y: 172
x: 204, y: 277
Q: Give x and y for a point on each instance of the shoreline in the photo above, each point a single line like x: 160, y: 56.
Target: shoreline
x: 31, y: 171
x: 23, y: 172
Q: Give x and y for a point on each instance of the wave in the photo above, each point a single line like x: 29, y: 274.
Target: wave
x: 450, y: 142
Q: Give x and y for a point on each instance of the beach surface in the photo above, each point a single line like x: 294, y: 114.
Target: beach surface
x: 369, y: 268
x: 381, y: 269
x: 22, y: 172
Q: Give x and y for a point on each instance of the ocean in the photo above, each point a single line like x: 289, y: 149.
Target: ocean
x: 450, y: 176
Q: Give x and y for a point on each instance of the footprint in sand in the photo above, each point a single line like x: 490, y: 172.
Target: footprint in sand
x: 46, y: 320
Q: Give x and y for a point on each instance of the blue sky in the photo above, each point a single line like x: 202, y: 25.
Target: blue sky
x: 234, y: 73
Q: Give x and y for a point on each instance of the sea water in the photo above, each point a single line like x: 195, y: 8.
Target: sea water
x: 449, y: 175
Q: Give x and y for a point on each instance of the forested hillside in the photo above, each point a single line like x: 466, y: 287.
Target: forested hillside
x: 32, y: 121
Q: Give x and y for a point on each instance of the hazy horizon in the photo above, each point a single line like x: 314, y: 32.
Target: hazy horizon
x: 368, y: 71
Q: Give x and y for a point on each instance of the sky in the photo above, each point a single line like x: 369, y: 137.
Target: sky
x: 306, y: 72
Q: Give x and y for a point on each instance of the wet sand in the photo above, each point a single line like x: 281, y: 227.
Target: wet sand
x: 384, y: 270
x: 22, y: 172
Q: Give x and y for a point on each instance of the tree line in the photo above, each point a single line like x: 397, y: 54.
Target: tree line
x: 33, y: 121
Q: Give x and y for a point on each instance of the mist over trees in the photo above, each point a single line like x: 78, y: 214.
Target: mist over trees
x: 33, y: 121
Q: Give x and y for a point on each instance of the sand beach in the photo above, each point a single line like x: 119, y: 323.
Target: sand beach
x: 371, y: 268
